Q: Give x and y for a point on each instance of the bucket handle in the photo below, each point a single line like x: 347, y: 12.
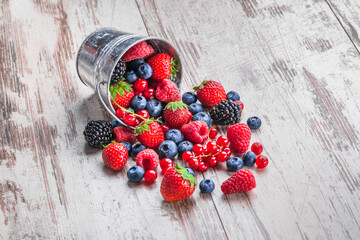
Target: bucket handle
x: 107, y: 108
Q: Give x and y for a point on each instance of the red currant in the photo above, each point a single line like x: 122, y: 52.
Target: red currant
x: 194, y: 163
x: 241, y: 105
x: 165, y: 163
x: 165, y: 169
x: 198, y: 149
x: 143, y: 113
x: 119, y: 113
x: 222, y: 141
x: 205, y: 150
x: 165, y: 127
x: 213, y: 133
x: 149, y: 93
x: 187, y: 156
x: 150, y: 176
x: 222, y: 156
x: 202, y: 167
x: 211, y: 161
x: 138, y: 93
x: 227, y: 150
x: 212, y: 147
x: 140, y: 84
x: 261, y: 161
x: 257, y: 148
x: 129, y: 119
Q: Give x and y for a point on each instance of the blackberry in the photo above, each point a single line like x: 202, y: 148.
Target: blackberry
x: 118, y: 72
x: 226, y: 113
x: 98, y: 133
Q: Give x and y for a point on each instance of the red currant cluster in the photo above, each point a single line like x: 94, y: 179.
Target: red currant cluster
x: 141, y: 88
x: 209, y: 154
x: 261, y: 160
x: 130, y: 118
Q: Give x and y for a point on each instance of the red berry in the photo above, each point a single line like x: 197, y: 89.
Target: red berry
x: 257, y: 148
x: 165, y: 127
x: 140, y: 84
x: 202, y: 167
x: 194, y: 163
x: 212, y: 147
x: 213, y: 133
x: 119, y: 113
x: 187, y: 156
x: 241, y: 104
x: 143, y: 113
x: 164, y: 170
x: 147, y: 159
x: 198, y: 149
x: 222, y: 141
x: 261, y: 161
x: 138, y: 93
x: 222, y: 156
x: 165, y: 163
x: 150, y: 176
x: 149, y: 93
x: 211, y: 161
x: 205, y: 150
x: 227, y: 150
x: 129, y: 119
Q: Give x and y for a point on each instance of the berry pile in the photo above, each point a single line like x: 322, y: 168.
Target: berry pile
x: 168, y: 126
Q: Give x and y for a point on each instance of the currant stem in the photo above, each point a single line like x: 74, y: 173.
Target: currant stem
x: 136, y: 115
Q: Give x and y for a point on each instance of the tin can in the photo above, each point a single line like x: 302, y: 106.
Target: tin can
x: 100, y: 52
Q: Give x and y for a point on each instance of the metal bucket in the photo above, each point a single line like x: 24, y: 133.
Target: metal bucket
x: 100, y: 52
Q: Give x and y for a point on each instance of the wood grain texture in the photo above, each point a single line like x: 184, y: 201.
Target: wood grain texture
x: 294, y: 66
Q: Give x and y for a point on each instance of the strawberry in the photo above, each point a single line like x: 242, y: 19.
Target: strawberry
x: 210, y: 93
x: 150, y: 134
x: 239, y: 136
x: 176, y: 114
x: 242, y: 181
x: 140, y: 50
x: 162, y: 65
x: 115, y: 155
x: 177, y: 184
x: 121, y: 94
x: 167, y: 91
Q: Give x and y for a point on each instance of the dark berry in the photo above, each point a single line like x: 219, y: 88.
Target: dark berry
x: 136, y: 149
x: 118, y: 72
x: 201, y: 116
x: 232, y: 96
x: 154, y: 108
x: 226, y: 113
x: 254, y: 123
x: 127, y: 146
x: 144, y: 71
x: 249, y: 159
x: 184, y: 146
x: 207, y: 186
x: 167, y: 149
x: 189, y: 98
x: 138, y: 102
x: 174, y: 135
x: 234, y: 164
x: 134, y: 64
x: 116, y: 124
x: 135, y: 174
x: 130, y: 76
x: 195, y: 108
x: 98, y: 133
x: 190, y: 171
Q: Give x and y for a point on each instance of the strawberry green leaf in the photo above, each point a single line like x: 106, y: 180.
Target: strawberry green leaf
x: 175, y: 105
x: 113, y: 95
x: 174, y: 65
x: 185, y: 174
x: 143, y: 127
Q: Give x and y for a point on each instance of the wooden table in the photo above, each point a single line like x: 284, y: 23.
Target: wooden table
x: 296, y: 65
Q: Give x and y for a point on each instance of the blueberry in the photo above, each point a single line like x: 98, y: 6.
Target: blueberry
x: 154, y: 108
x: 174, y: 135
x: 189, y: 98
x: 190, y: 171
x: 167, y: 149
x: 232, y: 96
x: 144, y: 71
x: 138, y: 102
x: 249, y: 159
x: 130, y: 76
x: 116, y: 124
x: 134, y: 64
x: 127, y: 146
x: 135, y: 174
x: 234, y: 164
x: 130, y: 109
x: 254, y: 123
x: 195, y: 108
x: 136, y: 149
x: 207, y: 186
x: 202, y: 117
x: 185, y: 146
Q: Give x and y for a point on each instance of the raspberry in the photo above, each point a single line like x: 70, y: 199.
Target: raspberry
x: 140, y: 50
x: 167, y: 91
x: 242, y: 181
x: 148, y: 159
x: 239, y: 136
x: 195, y: 132
x: 124, y: 134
